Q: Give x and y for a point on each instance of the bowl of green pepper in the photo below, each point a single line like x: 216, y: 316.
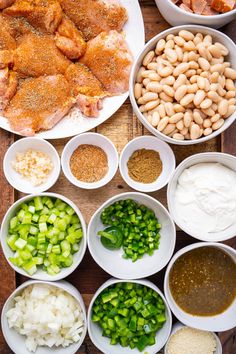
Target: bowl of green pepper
x: 129, y: 317
x: 131, y: 236
x: 43, y: 236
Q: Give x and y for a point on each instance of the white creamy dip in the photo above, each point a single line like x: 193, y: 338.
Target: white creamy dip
x: 205, y: 197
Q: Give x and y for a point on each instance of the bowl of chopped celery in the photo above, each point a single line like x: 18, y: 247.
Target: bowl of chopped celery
x: 43, y: 236
x: 44, y: 317
x: 131, y: 236
x: 129, y: 317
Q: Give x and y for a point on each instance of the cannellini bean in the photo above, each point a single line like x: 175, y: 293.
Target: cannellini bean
x: 139, y: 77
x: 189, y: 46
x: 188, y: 117
x: 180, y: 92
x: 168, y: 81
x: 179, y: 53
x: 187, y: 99
x: 207, y: 39
x: 169, y: 90
x: 202, y: 50
x: 169, y: 129
x: 232, y: 101
x: 166, y: 71
x: 217, y: 67
x: 161, y: 110
x: 170, y: 44
x: 214, y: 106
x: 204, y: 74
x: 178, y: 136
x: 179, y: 40
x: 201, y: 82
x: 193, y: 56
x: 207, y: 123
x: 218, y: 124
x: 190, y: 73
x: 150, y: 96
x: 199, y: 97
x: 230, y: 73
x: 226, y: 64
x: 206, y: 103
x: 154, y: 77
x: 204, y: 64
x: 221, y: 91
x: 231, y: 110
x: 194, y: 132
x: 197, y: 117
x: 207, y: 85
x: 141, y: 101
x: 154, y: 86
x: 137, y: 91
x: 152, y: 104
x: 143, y: 109
x: 229, y: 84
x: 214, y: 77
x: 166, y: 98
x: 213, y: 96
x: 160, y: 46
x: 146, y: 81
x: 224, y: 50
x: 169, y: 108
x: 170, y: 36
x: 193, y: 79
x: 174, y: 132
x: 207, y: 131
x: 152, y: 66
x: 143, y: 91
x: 215, y: 51
x: 146, y: 73
x: 163, y: 123
x: 178, y: 108
x: 180, y: 125
x: 185, y: 57
x: 181, y: 80
x: 193, y: 65
x: 222, y: 80
x: 180, y: 69
x: 176, y: 117
x: 184, y: 131
x: 148, y: 58
x: 214, y: 87
x: 171, y: 55
x: 215, y: 118
x: 209, y: 112
x: 230, y: 94
x: 186, y: 35
x: 223, y: 107
x: 155, y: 119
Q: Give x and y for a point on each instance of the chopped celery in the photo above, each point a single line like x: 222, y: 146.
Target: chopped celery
x: 44, y: 233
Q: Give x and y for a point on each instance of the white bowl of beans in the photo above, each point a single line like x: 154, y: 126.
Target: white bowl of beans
x: 179, y: 16
x: 182, y: 85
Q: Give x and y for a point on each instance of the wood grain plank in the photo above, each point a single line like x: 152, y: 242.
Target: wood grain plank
x: 7, y: 275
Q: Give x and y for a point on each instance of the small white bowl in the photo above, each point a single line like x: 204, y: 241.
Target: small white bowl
x: 152, y: 143
x: 16, y: 341
x: 22, y: 184
x: 113, y: 262
x: 176, y: 16
x: 179, y: 325
x: 40, y: 274
x: 219, y: 323
x: 91, y: 139
x: 218, y: 157
x: 217, y: 36
x: 103, y: 343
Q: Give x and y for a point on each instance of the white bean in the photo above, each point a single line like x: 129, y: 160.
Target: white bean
x: 163, y: 123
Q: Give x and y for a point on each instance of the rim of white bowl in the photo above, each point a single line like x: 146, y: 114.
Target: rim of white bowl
x: 65, y: 271
x: 84, y: 185
x: 171, y: 302
x: 193, y: 15
x: 178, y: 325
x: 57, y: 166
x: 62, y: 284
x: 149, y: 187
x: 113, y: 281
x: 228, y: 122
x: 170, y: 201
x: 109, y: 201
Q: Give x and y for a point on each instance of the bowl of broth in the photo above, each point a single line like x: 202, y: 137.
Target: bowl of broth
x: 200, y: 286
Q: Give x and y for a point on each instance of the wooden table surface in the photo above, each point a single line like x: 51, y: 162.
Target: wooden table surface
x: 120, y: 128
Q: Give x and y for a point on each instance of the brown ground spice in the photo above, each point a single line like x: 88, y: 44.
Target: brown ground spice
x: 89, y: 163
x: 145, y: 166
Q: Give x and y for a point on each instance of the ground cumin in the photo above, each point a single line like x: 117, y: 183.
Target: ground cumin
x: 145, y: 166
x: 89, y: 163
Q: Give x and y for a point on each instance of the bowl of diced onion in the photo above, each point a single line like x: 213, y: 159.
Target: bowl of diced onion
x: 43, y: 318
x: 43, y: 236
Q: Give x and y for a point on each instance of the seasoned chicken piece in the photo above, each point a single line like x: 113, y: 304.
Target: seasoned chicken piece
x: 8, y: 86
x: 38, y: 55
x: 42, y: 14
x: 39, y: 103
x: 5, y: 3
x: 7, y: 41
x: 6, y: 58
x: 94, y: 16
x: 86, y: 88
x: 69, y: 39
x: 110, y: 60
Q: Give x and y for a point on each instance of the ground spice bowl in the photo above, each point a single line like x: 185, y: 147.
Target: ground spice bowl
x: 166, y: 155
x: 91, y: 139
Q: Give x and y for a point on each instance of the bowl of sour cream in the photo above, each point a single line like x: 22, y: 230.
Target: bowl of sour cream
x: 201, y: 196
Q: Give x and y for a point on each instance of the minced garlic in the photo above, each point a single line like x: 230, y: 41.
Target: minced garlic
x: 33, y: 165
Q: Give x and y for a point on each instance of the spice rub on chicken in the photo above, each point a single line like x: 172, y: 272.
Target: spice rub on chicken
x: 110, y: 60
x: 95, y: 16
x: 39, y: 103
x: 46, y: 58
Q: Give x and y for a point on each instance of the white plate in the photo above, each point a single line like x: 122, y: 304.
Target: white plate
x: 75, y: 123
